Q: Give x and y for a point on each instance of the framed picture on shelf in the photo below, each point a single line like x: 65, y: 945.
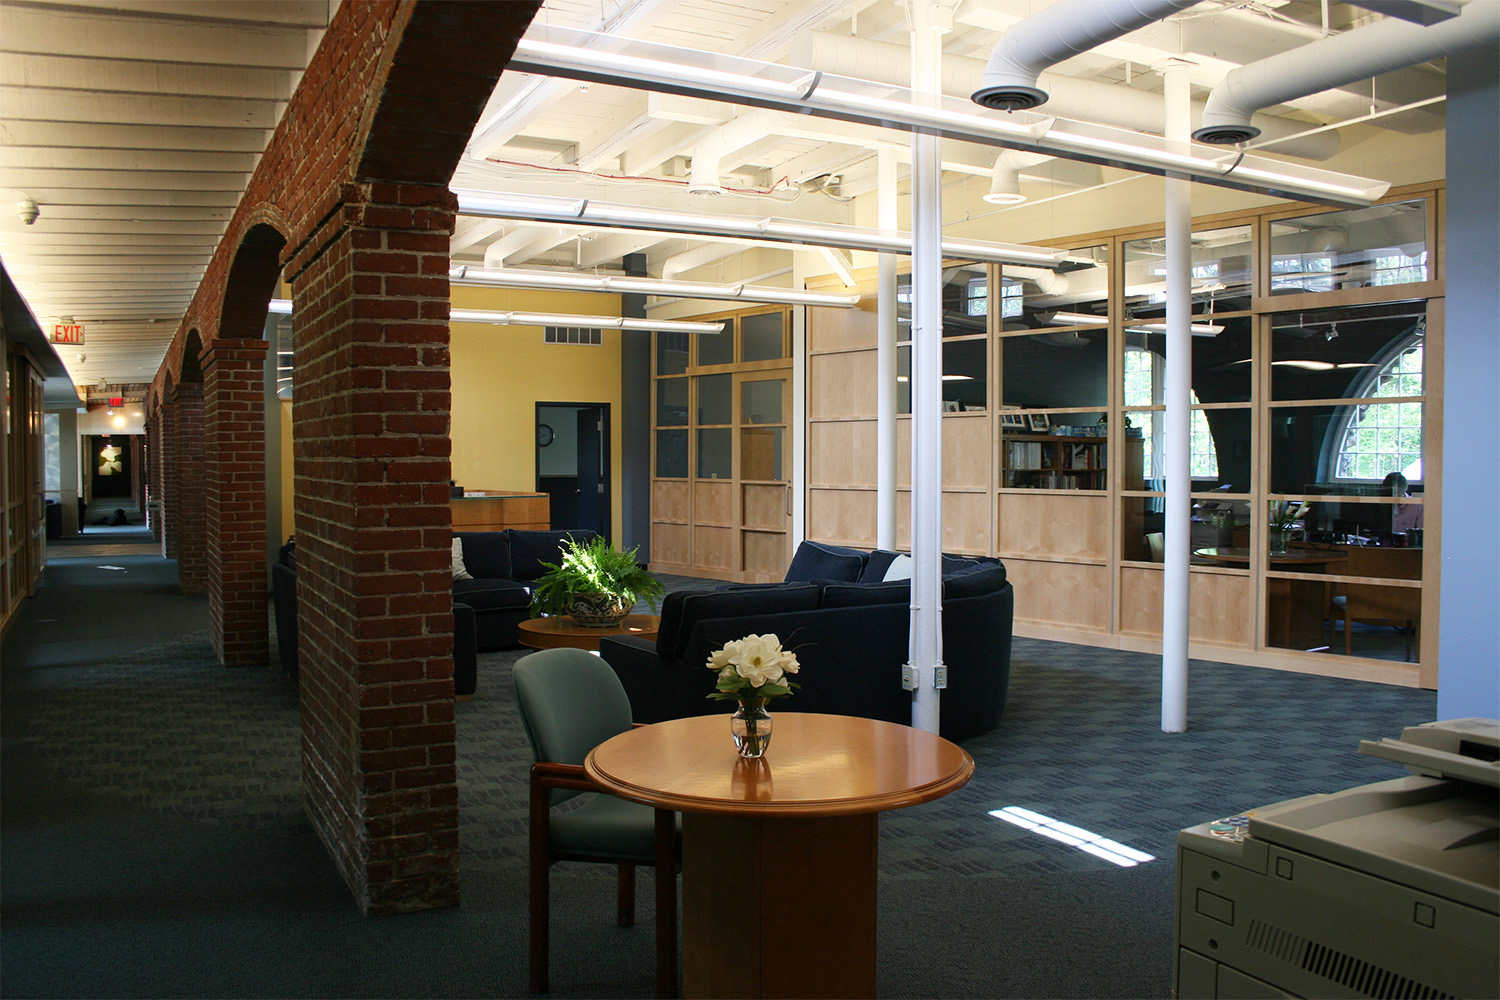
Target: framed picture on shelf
x: 1013, y: 418
x: 950, y: 406
x: 973, y: 407
x: 1039, y: 421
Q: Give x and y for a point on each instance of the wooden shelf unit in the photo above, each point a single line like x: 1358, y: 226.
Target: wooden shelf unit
x: 1060, y: 462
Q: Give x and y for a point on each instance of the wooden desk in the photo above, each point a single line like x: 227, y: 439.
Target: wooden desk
x: 779, y: 854
x: 501, y: 509
x: 562, y: 630
x: 1295, y: 609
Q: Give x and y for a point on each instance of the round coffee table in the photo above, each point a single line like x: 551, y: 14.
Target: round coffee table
x: 563, y: 631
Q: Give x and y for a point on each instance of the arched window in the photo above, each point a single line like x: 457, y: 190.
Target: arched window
x: 1380, y: 438
x: 1143, y: 388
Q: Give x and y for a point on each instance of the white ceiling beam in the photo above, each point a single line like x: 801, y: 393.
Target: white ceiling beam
x: 505, y: 118
x: 99, y: 135
x: 114, y: 229
x: 38, y: 104
x: 136, y: 77
x: 121, y: 199
x: 34, y: 157
x: 131, y: 217
x: 469, y: 231
x: 31, y: 178
x: 91, y: 34
x: 287, y: 13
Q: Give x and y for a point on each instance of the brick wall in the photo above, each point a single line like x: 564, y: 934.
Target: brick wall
x: 171, y: 512
x: 373, y: 525
x: 351, y: 191
x: 235, y: 500
x: 187, y: 486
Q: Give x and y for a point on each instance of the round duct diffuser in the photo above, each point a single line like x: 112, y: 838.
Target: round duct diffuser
x: 1226, y: 135
x: 1009, y: 97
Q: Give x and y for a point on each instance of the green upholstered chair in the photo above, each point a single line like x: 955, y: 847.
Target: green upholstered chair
x: 571, y: 701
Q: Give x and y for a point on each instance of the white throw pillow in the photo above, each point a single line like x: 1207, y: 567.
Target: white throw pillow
x: 899, y: 569
x: 459, y: 570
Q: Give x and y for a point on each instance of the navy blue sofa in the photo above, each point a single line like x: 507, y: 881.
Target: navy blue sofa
x: 502, y: 565
x: 849, y: 629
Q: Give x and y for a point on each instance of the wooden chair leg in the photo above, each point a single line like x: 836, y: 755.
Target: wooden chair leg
x: 666, y: 903
x: 625, y: 895
x: 539, y: 885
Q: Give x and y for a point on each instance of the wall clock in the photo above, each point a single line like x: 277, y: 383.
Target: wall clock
x: 544, y: 435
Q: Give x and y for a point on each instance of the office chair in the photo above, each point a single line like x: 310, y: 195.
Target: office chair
x: 571, y: 701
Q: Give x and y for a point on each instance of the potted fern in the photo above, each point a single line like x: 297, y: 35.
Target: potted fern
x: 595, y: 583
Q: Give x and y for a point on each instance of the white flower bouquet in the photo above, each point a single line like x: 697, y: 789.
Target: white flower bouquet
x: 755, y: 667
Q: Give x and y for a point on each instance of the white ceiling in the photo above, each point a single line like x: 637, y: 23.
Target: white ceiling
x: 136, y: 124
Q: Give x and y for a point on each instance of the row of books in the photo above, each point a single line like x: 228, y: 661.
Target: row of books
x: 1036, y: 455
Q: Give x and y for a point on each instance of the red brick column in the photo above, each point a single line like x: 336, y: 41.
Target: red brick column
x: 374, y: 584
x: 170, y: 496
x: 188, y: 487
x: 152, y: 509
x: 235, y: 500
x: 138, y: 472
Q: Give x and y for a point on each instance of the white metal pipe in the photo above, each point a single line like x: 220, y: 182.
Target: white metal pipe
x: 886, y: 327
x: 1178, y: 397
x: 1054, y: 33
x: 1364, y: 52
x: 926, y: 653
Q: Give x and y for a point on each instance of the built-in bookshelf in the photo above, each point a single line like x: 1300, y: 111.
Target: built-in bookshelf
x: 1055, y: 462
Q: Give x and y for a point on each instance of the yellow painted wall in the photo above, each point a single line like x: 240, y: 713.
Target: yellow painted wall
x: 500, y: 373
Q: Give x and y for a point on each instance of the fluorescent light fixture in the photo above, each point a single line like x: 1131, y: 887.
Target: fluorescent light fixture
x: 1196, y: 329
x: 594, y: 213
x: 1323, y: 366
x: 621, y: 284
x: 1074, y: 836
x: 584, y: 55
x: 517, y: 318
x: 1075, y: 319
x: 946, y: 378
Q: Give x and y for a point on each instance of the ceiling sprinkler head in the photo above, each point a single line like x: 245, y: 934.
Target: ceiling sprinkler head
x: 27, y: 209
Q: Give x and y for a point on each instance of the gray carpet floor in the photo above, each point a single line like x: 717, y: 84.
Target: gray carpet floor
x: 152, y: 839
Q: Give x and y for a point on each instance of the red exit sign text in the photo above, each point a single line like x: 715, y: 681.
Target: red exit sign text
x: 67, y: 333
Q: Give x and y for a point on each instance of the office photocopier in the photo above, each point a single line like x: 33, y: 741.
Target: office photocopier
x: 1386, y: 890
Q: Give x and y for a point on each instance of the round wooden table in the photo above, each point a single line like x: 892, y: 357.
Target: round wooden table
x: 779, y: 854
x: 562, y: 630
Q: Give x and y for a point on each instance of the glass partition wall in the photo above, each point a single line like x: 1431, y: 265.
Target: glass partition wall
x: 721, y: 478
x: 1310, y: 338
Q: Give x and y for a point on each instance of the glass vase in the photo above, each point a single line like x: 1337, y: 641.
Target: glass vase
x: 1278, y: 541
x: 750, y: 726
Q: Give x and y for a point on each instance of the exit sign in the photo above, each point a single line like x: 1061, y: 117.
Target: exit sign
x: 67, y: 333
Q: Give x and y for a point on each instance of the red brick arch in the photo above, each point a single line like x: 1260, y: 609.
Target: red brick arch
x: 353, y: 185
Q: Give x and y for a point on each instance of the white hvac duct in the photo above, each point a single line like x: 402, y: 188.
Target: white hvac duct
x: 1386, y: 45
x: 1052, y: 34
x: 1046, y: 282
x: 1005, y: 185
x: 1072, y: 98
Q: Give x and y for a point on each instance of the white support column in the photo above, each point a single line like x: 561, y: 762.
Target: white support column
x: 926, y: 654
x: 885, y: 355
x: 1178, y: 396
x: 797, y: 477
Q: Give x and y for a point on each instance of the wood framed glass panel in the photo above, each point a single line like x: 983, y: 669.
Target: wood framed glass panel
x: 1355, y: 248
